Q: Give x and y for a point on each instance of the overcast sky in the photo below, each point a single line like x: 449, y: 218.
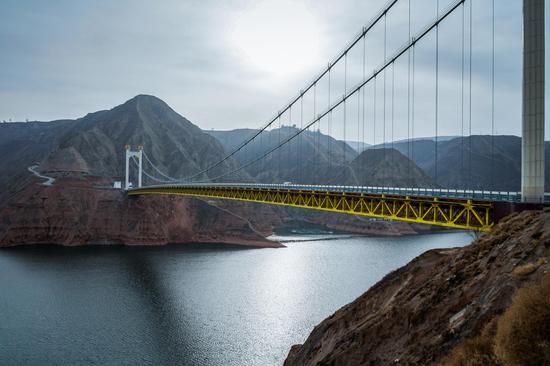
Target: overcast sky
x: 234, y: 63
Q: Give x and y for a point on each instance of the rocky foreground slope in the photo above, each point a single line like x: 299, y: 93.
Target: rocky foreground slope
x: 419, y: 313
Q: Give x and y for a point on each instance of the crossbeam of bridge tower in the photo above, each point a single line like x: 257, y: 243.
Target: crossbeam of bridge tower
x: 532, y: 140
x: 138, y: 154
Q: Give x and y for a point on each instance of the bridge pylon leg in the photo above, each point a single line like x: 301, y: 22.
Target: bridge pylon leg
x: 127, y: 174
x: 139, y: 155
x: 532, y: 138
x: 140, y: 165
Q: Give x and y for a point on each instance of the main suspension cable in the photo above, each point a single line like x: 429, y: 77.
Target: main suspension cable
x: 398, y: 54
x: 157, y: 169
x: 370, y: 25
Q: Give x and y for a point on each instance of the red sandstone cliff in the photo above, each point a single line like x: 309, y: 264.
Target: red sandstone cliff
x: 417, y: 314
x: 78, y: 211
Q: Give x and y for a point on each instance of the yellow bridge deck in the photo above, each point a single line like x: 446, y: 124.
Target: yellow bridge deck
x: 449, y: 212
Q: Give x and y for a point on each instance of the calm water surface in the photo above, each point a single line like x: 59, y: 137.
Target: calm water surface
x: 186, y: 305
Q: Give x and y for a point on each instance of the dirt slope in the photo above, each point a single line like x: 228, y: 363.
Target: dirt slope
x: 418, y: 313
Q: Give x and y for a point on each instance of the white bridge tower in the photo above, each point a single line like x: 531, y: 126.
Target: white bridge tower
x: 138, y: 154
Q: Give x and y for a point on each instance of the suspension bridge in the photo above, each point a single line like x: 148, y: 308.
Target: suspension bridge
x: 372, y: 92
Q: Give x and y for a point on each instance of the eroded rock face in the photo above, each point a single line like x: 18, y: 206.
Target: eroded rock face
x: 418, y: 313
x: 66, y: 160
x: 78, y: 211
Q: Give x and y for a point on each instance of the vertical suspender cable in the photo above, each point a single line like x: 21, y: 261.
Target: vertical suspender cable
x: 345, y: 111
x: 252, y: 145
x: 364, y: 87
x: 374, y: 114
x: 279, y: 149
x: 409, y: 99
x: 392, y: 110
x: 318, y: 134
x: 329, y: 124
x: 462, y: 172
x: 315, y: 137
x: 262, y: 163
x: 384, y: 89
x: 289, y: 145
x: 436, y: 90
x: 301, y: 158
x: 412, y: 99
x: 470, y: 102
x: 493, y: 100
x: 358, y: 120
x: 291, y: 123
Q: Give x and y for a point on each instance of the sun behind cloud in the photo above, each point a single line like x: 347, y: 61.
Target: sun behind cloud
x: 280, y: 38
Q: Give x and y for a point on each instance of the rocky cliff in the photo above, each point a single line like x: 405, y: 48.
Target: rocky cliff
x: 419, y: 313
x: 84, y: 210
x: 22, y: 145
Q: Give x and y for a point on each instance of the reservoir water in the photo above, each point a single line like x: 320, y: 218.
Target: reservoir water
x: 185, y: 305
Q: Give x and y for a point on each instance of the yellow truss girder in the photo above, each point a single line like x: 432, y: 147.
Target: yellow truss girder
x: 450, y: 212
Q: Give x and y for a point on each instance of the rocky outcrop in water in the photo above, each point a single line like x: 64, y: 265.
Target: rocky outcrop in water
x: 417, y: 314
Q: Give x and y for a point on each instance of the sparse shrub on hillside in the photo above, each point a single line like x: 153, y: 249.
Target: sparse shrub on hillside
x: 523, y: 334
x: 519, y: 337
x: 477, y: 351
x: 528, y: 268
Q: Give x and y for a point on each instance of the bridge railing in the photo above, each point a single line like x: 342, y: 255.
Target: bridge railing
x: 404, y: 191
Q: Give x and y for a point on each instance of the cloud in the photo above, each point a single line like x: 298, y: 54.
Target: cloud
x: 64, y: 59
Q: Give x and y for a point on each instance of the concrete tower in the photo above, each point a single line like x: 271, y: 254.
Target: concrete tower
x: 138, y: 154
x: 532, y: 140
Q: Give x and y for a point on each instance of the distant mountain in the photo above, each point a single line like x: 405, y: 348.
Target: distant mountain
x: 175, y: 145
x: 358, y: 146
x: 323, y: 156
x: 230, y: 140
x: 95, y: 144
x: 319, y: 159
x: 495, y: 162
x: 387, y: 167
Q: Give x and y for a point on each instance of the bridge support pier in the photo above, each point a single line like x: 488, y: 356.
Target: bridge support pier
x: 532, y: 140
x: 138, y: 154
